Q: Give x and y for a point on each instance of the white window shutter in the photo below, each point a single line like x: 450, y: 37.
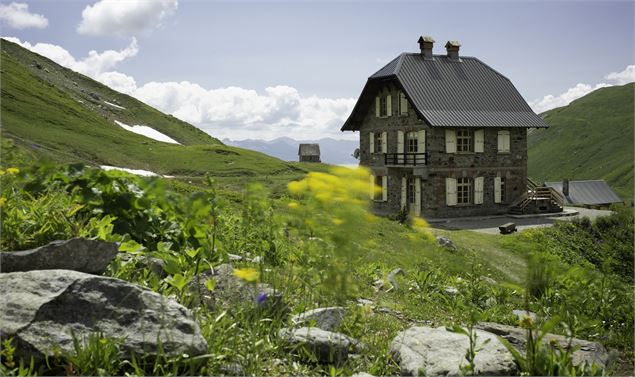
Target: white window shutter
x: 421, y: 141
x: 384, y: 142
x: 384, y: 188
x: 418, y: 196
x: 372, y: 142
x: 497, y: 190
x: 478, y: 190
x: 503, y: 141
x: 404, y: 192
x: 507, y: 142
x: 450, y: 141
x: 450, y: 191
x: 400, y: 139
x: 403, y: 104
x: 377, y: 107
x: 372, y: 187
x: 479, y: 141
x: 388, y: 105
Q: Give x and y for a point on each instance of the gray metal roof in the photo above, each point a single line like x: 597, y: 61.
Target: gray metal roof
x: 309, y: 150
x: 588, y: 192
x: 447, y: 93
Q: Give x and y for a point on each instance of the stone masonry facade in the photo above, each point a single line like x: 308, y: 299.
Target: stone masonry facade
x: 489, y: 164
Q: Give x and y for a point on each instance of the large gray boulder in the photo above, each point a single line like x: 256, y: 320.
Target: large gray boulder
x: 325, y: 346
x: 589, y: 352
x: 438, y: 352
x: 231, y: 292
x: 40, y: 309
x: 323, y: 318
x: 78, y: 254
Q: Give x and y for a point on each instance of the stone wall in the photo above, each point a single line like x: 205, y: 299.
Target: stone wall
x: 489, y: 164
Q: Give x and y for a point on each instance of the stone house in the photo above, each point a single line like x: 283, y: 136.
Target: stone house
x: 444, y: 135
x: 309, y: 152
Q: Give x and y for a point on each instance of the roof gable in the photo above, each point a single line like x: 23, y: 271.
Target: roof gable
x: 448, y: 93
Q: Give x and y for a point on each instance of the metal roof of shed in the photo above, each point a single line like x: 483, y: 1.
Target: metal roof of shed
x: 448, y: 93
x: 309, y: 150
x: 593, y: 192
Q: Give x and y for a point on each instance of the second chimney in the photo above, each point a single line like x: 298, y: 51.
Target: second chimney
x: 453, y: 50
x: 425, y: 43
x: 565, y: 187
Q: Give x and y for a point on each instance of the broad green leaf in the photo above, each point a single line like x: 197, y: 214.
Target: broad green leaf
x: 210, y: 284
x: 192, y: 253
x: 131, y: 246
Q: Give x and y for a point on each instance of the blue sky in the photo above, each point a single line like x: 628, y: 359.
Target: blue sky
x: 266, y: 69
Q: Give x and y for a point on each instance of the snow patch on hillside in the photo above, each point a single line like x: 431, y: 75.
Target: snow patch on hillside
x: 114, y: 105
x: 143, y: 173
x: 148, y: 132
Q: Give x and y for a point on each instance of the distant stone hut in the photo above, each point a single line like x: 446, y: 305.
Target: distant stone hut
x: 309, y: 152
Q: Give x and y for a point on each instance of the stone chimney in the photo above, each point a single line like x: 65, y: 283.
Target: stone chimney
x: 453, y: 50
x: 425, y: 44
x: 565, y: 187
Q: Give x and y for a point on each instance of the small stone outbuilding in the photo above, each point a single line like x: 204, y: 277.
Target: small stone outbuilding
x: 592, y: 194
x: 309, y: 152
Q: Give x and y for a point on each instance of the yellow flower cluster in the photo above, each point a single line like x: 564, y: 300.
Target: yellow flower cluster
x: 342, y: 185
x: 9, y: 171
x: 247, y: 274
x: 422, y: 226
x: 3, y: 201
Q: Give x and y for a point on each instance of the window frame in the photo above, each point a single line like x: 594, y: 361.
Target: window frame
x: 411, y: 191
x: 383, y: 106
x: 503, y: 189
x: 379, y: 194
x: 464, y: 139
x: 465, y: 191
x: 410, y: 141
x: 378, y: 143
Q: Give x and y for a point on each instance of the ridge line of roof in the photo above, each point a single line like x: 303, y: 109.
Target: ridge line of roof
x: 398, y: 66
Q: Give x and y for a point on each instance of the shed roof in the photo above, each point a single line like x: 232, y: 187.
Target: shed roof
x: 593, y: 192
x: 309, y: 150
x: 447, y: 93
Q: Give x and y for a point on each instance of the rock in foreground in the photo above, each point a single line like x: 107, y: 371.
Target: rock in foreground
x: 325, y: 346
x: 78, y: 254
x: 41, y: 308
x: 585, y: 351
x: 437, y: 352
x: 324, y: 318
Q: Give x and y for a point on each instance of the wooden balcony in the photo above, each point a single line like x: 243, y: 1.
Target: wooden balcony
x: 406, y: 159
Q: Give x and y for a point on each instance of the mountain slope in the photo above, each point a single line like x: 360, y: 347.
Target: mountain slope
x: 591, y: 138
x: 66, y: 116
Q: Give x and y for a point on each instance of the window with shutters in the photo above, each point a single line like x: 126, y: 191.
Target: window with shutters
x: 464, y: 191
x: 464, y: 141
x: 503, y: 189
x: 378, y: 143
x: 403, y: 104
x: 378, y: 188
x: 383, y: 106
x: 503, y: 141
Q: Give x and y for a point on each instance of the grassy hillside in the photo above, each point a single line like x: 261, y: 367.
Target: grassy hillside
x: 62, y: 115
x: 591, y: 138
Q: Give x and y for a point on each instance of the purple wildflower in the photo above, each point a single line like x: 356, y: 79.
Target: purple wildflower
x: 261, y: 298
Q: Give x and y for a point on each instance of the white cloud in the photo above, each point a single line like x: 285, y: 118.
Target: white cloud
x: 238, y: 113
x: 125, y: 18
x: 624, y: 77
x: 17, y: 16
x: 549, y: 101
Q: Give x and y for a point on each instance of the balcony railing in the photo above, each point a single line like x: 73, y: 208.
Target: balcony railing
x: 406, y: 159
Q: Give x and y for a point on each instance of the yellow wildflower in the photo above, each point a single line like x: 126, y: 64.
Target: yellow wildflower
x: 247, y: 274
x: 337, y: 221
x: 3, y: 201
x: 292, y: 205
x: 1, y: 172
x: 13, y: 171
